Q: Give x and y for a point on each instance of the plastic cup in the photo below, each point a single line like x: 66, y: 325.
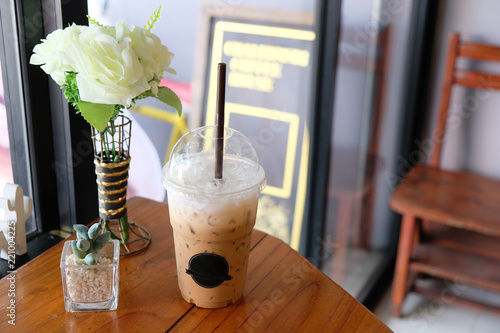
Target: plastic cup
x: 212, y: 219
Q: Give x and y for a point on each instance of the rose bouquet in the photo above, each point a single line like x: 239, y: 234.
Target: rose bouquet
x: 107, y: 68
x: 103, y: 70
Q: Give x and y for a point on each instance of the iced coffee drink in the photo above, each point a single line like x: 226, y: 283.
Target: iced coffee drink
x: 212, y: 218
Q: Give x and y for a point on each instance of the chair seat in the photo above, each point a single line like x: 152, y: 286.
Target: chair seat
x: 464, y: 200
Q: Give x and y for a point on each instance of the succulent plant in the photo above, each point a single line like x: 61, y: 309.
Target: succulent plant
x: 89, y: 242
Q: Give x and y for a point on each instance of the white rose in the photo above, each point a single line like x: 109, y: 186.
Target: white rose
x: 108, y: 72
x: 51, y: 53
x: 153, y: 56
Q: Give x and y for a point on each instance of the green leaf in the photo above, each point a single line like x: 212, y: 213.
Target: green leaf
x: 91, y: 258
x: 76, y: 251
x: 167, y: 96
x: 97, y: 115
x: 83, y: 245
x: 81, y: 230
x: 94, y: 231
x: 102, y: 240
x: 71, y: 92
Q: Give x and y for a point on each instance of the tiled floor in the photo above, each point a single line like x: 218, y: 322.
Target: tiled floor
x: 442, y: 316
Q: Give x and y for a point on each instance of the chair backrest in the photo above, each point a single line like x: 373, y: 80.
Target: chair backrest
x: 468, y: 78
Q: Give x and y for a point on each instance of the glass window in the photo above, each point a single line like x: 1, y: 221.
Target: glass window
x: 272, y: 110
x: 14, y: 155
x: 358, y: 229
x: 6, y: 175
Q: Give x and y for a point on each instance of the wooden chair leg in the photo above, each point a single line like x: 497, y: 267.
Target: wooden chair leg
x: 402, y: 263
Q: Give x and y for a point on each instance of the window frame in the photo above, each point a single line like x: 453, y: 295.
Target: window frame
x: 321, y: 124
x: 51, y: 150
x: 73, y: 153
x: 23, y: 152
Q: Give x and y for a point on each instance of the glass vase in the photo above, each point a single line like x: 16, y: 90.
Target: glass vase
x: 91, y: 287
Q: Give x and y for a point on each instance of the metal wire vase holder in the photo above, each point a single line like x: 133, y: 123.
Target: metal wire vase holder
x: 112, y: 163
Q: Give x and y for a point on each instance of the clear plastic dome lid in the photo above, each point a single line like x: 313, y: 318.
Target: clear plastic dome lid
x: 193, y: 158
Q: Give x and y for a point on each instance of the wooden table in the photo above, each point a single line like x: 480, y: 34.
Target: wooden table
x: 284, y: 292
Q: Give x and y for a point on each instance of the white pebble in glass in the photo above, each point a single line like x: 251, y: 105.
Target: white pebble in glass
x: 91, y: 287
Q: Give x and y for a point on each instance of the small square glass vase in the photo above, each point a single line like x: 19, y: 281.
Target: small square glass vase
x: 91, y: 287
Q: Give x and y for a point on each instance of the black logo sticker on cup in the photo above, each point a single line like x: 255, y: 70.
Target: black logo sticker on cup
x: 208, y: 270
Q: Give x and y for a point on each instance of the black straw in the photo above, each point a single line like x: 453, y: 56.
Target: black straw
x: 221, y: 97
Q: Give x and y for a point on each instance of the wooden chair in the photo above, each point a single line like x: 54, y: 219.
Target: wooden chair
x: 450, y: 225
